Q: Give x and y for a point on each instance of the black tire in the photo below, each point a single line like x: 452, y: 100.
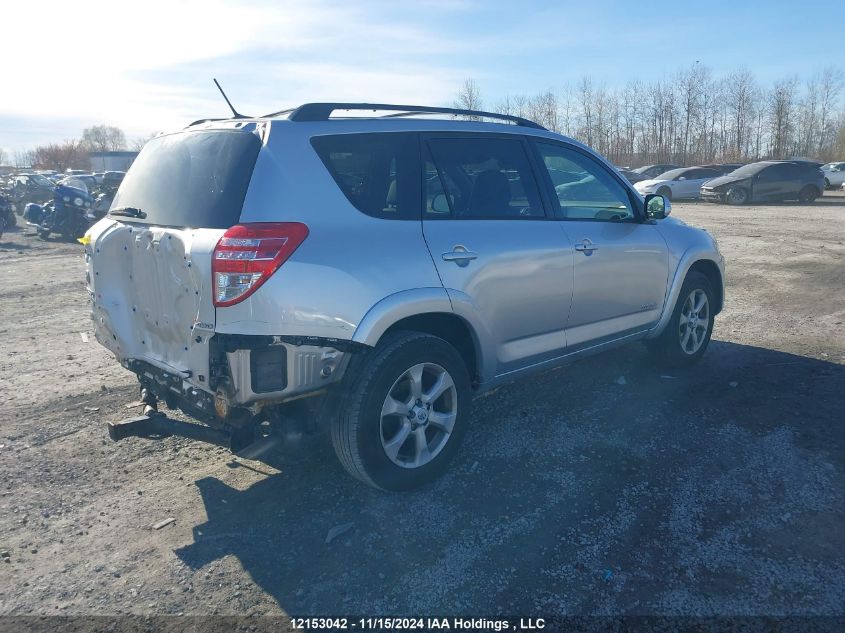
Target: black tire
x: 808, y: 193
x: 737, y: 195
x: 827, y: 184
x: 665, y: 192
x: 667, y: 350
x: 356, y: 426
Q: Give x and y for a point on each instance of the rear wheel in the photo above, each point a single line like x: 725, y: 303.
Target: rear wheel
x: 688, y: 332
x: 808, y: 194
x: 403, y: 412
x: 737, y: 195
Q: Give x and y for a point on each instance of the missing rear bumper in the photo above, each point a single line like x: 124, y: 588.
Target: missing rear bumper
x: 158, y: 426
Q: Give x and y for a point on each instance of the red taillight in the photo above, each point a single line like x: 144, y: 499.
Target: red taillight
x: 248, y: 254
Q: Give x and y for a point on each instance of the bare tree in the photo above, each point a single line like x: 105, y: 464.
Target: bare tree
x: 740, y: 93
x: 104, y: 138
x: 24, y: 159
x: 690, y: 83
x: 71, y: 154
x: 830, y: 86
x: 138, y: 144
x: 781, y: 111
x: 586, y: 103
x: 2, y: 156
x: 469, y: 97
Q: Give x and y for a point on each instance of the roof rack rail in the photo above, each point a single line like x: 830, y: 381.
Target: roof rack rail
x: 322, y: 112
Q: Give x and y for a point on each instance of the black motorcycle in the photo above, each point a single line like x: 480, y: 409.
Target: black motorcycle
x: 68, y: 214
x: 7, y: 212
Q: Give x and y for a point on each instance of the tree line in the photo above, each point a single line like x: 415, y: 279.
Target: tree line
x: 691, y: 118
x: 73, y: 153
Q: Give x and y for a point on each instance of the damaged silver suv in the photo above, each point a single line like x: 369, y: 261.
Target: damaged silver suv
x: 369, y: 275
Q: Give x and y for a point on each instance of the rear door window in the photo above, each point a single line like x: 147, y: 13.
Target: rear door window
x: 480, y: 177
x: 377, y: 173
x: 192, y: 179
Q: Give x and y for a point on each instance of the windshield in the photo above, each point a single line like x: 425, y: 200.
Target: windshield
x: 749, y: 170
x: 672, y: 174
x: 194, y: 179
x: 41, y: 181
x: 75, y: 183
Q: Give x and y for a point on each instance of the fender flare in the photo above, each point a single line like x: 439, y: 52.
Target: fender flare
x: 396, y: 307
x: 421, y: 301
x: 690, y: 257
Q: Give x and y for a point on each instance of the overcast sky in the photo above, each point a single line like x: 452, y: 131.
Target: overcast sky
x: 147, y: 65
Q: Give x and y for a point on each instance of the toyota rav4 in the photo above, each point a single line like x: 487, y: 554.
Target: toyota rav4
x: 369, y: 275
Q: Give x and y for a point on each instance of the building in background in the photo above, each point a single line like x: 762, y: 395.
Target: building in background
x: 111, y: 161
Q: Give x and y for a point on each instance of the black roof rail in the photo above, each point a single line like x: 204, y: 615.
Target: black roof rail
x: 322, y: 112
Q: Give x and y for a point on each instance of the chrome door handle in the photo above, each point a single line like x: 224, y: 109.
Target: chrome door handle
x: 460, y: 255
x: 586, y: 247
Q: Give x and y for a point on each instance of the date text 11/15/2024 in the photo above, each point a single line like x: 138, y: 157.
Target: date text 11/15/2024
x: 420, y: 624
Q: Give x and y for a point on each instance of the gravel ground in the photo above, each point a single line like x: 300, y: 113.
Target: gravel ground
x: 717, y: 490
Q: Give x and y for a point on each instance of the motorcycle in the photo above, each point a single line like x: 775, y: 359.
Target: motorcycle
x: 7, y: 213
x: 69, y: 213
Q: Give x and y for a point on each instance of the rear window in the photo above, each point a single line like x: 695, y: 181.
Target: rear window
x: 191, y: 179
x: 378, y: 173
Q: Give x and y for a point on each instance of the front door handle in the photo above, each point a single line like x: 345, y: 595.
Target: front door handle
x: 460, y: 255
x: 586, y: 247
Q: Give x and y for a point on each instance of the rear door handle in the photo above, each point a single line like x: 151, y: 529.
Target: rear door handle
x: 586, y: 247
x: 460, y: 255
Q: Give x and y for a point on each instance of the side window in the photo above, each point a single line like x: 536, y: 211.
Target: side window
x: 700, y: 174
x: 481, y: 177
x: 584, y: 189
x: 775, y: 173
x: 377, y: 173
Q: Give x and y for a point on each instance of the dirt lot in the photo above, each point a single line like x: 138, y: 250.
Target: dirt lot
x: 717, y: 490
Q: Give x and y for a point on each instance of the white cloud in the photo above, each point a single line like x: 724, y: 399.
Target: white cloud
x: 148, y: 66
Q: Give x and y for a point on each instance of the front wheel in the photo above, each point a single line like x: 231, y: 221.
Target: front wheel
x: 688, y: 332
x: 737, y: 195
x: 403, y: 412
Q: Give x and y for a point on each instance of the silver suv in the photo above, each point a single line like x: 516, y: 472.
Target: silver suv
x: 372, y: 274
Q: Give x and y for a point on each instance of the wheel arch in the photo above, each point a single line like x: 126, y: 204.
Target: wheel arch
x: 452, y: 329
x: 427, y: 310
x: 709, y: 269
x: 697, y: 260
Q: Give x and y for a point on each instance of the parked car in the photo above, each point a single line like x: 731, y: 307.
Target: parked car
x: 86, y: 179
x: 767, y: 180
x: 684, y: 182
x: 724, y: 168
x: 399, y: 267
x: 24, y: 188
x: 652, y: 171
x: 113, y: 178
x: 834, y: 175
x: 631, y: 176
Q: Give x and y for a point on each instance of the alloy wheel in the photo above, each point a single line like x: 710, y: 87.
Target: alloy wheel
x: 694, y: 321
x: 418, y: 415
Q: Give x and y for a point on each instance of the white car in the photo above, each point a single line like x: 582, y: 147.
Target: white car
x: 684, y: 182
x: 834, y: 175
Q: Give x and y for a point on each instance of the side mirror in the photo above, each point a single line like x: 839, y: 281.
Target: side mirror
x: 657, y: 207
